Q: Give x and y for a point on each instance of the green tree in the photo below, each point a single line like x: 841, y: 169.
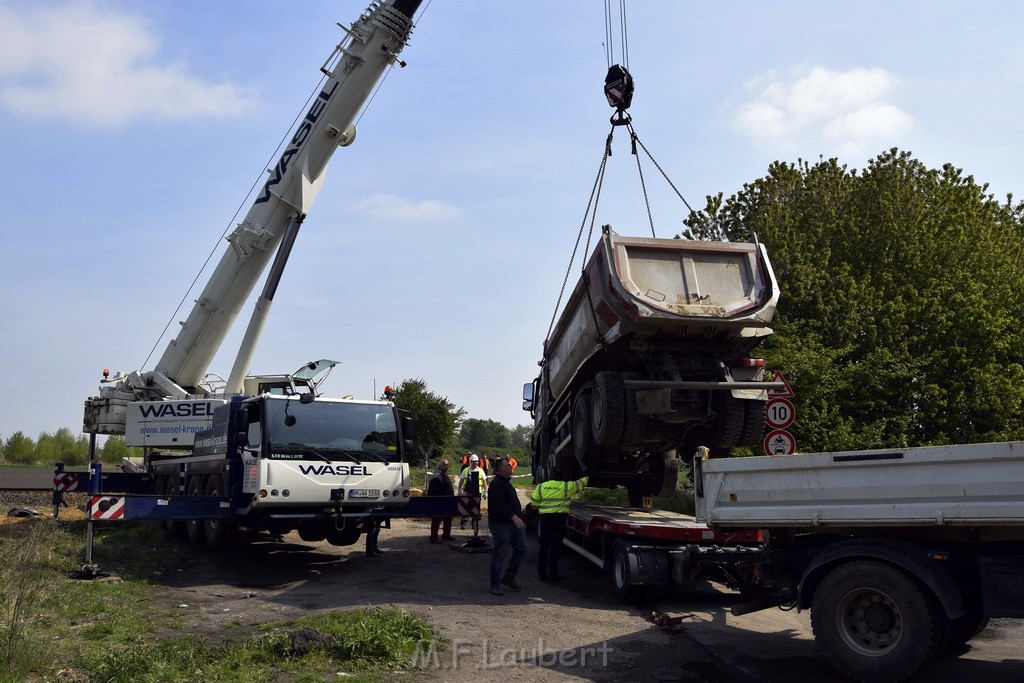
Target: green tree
x: 114, y: 449
x: 19, y: 448
x: 436, y: 418
x: 520, y: 436
x: 898, y: 322
x: 477, y: 434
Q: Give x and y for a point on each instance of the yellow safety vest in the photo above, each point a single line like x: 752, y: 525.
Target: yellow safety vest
x: 552, y: 497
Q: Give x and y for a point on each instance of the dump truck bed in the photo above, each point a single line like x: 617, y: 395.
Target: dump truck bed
x: 974, y: 485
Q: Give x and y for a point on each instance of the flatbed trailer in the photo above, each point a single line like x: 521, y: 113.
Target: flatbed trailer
x: 899, y: 554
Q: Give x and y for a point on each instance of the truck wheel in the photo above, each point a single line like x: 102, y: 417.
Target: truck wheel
x: 176, y: 531
x: 874, y: 623
x: 620, y: 573
x: 587, y: 451
x: 635, y: 494
x: 218, y: 531
x: 727, y: 429
x: 608, y: 408
x: 665, y: 467
x: 963, y: 629
x: 195, y: 526
x: 753, y: 423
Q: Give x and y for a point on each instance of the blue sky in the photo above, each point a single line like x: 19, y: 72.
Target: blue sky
x: 132, y: 133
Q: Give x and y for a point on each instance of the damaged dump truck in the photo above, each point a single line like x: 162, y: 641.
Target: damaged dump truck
x: 649, y: 359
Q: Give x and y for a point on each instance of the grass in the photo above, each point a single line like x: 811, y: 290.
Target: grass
x: 54, y: 628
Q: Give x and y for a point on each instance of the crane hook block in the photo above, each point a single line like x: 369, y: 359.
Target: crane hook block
x: 618, y: 88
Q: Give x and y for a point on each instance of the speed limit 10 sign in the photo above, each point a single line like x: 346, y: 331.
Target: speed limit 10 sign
x: 779, y: 413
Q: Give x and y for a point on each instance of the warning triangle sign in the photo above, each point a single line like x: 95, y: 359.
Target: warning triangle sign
x: 785, y: 392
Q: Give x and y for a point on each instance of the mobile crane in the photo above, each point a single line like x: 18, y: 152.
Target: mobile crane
x: 271, y: 452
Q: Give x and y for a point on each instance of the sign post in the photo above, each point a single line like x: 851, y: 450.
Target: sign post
x: 779, y: 415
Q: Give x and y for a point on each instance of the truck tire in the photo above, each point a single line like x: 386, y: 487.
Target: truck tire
x: 635, y: 494
x: 620, y: 573
x: 608, y: 408
x: 963, y: 629
x: 217, y: 531
x: 874, y: 622
x: 727, y: 429
x: 753, y: 424
x: 665, y: 469
x: 583, y: 444
x: 176, y: 531
x: 195, y: 526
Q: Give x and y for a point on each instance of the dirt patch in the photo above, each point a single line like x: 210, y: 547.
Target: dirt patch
x: 549, y: 632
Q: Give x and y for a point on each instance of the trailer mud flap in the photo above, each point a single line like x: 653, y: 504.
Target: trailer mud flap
x: 649, y: 566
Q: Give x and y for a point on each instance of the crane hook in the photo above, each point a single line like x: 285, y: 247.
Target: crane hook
x: 618, y: 89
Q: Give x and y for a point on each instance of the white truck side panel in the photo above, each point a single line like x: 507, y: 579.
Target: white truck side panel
x: 965, y: 485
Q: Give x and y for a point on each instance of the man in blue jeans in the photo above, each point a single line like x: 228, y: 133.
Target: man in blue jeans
x: 505, y: 520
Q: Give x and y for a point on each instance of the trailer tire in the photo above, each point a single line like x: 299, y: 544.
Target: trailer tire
x: 874, y: 623
x: 196, y: 532
x: 608, y: 408
x: 620, y: 573
x: 218, y: 531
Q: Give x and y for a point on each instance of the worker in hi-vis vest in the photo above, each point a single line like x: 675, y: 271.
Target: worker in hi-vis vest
x: 551, y: 500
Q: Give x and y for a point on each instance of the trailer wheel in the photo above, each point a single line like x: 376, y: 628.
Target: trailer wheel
x: 195, y: 526
x: 608, y: 408
x: 218, y: 531
x: 874, y: 623
x: 620, y: 573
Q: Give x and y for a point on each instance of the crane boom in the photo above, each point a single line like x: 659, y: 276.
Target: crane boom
x: 351, y: 73
x: 373, y: 44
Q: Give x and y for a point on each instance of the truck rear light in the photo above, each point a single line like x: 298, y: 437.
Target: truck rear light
x: 752, y: 363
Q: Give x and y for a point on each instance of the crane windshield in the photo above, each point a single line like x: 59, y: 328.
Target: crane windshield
x: 331, y: 430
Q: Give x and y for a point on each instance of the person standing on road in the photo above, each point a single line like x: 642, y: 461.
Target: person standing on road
x: 473, y: 480
x: 551, y: 500
x: 441, y: 485
x: 505, y: 521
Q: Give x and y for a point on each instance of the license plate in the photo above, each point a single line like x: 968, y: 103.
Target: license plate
x: 364, y: 493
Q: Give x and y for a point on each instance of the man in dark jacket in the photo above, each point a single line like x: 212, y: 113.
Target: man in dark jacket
x: 505, y: 521
x: 441, y: 485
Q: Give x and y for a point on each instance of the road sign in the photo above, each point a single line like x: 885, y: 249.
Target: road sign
x: 785, y: 392
x: 779, y: 442
x: 779, y: 413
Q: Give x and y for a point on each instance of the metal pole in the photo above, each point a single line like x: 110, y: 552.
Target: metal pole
x: 58, y: 469
x: 94, y: 490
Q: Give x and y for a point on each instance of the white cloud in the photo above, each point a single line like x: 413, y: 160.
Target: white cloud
x: 78, y: 62
x: 846, y: 110
x: 393, y: 207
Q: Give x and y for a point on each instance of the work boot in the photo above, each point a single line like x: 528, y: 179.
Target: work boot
x: 511, y: 584
x: 496, y: 590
